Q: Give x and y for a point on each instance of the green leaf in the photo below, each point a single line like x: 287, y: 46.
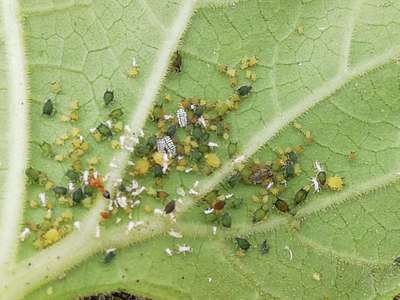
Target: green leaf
x: 327, y: 71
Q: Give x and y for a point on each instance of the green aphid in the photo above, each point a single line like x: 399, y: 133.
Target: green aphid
x: 104, y: 130
x: 226, y: 220
x: 33, y: 175
x: 244, y: 90
x: 242, y: 243
x: 301, y: 195
x: 46, y: 149
x: 171, y: 130
x: 116, y: 114
x: 110, y: 255
x: 195, y: 155
x: 264, y: 247
x: 108, y: 97
x: 157, y: 171
x: 204, y: 148
x: 292, y: 156
x: 237, y: 202
x: 232, y: 149
x: 200, y: 134
x: 48, y: 108
x: 259, y: 215
x: 211, y: 218
x: 234, y: 180
x: 77, y: 195
x: 281, y: 205
x: 73, y: 175
x: 142, y: 150
x: 60, y: 191
x: 220, y: 129
x: 151, y: 142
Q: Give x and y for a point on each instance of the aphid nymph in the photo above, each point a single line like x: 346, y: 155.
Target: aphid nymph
x: 181, y: 115
x: 110, y: 254
x: 301, y: 195
x: 177, y: 63
x: 169, y: 207
x: 264, y: 247
x: 242, y: 243
x: 108, y: 97
x: 48, y: 108
x: 321, y: 174
x: 244, y: 90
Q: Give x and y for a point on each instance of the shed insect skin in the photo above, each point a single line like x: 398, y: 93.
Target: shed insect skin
x: 177, y: 63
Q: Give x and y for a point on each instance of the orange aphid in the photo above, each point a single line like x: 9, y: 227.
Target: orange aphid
x: 105, y: 215
x: 96, y: 183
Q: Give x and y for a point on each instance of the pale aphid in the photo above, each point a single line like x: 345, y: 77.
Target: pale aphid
x: 184, y: 249
x: 181, y: 115
x: 315, y: 184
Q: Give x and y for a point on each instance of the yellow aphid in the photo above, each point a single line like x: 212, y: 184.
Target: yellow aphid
x: 64, y: 137
x: 115, y: 145
x: 274, y: 191
x: 233, y: 81
x: 335, y: 183
x: 297, y: 170
x: 251, y: 75
x: 203, y: 102
x: 117, y: 127
x: 300, y: 29
x: 309, y: 139
x: 55, y: 87
x: 59, y: 142
x: 67, y: 215
x: 222, y: 68
x: 213, y: 127
x: 33, y: 204
x: 297, y: 125
x: 133, y: 72
x: 77, y: 165
x: 194, y: 144
x: 255, y: 199
x: 231, y: 72
x: 96, y: 135
x: 252, y: 61
x: 213, y: 160
x: 225, y: 136
x: 74, y: 116
x: 74, y: 105
x: 195, y: 168
x: 180, y: 168
x: 142, y: 166
x: 94, y: 161
x: 298, y: 149
x: 187, y: 140
x: 186, y: 149
x: 49, y: 185
x: 147, y: 209
x: 167, y: 98
x: 158, y: 158
x: 65, y: 118
x: 59, y: 157
x: 244, y: 63
x: 75, y: 132
x: 51, y: 236
x: 48, y: 214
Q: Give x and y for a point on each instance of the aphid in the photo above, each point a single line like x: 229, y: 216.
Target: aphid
x: 106, y: 194
x: 77, y: 195
x: 60, y: 190
x: 104, y: 130
x: 73, y: 175
x: 264, y: 247
x: 181, y: 115
x: 116, y: 114
x: 321, y: 174
x: 396, y: 297
x: 281, y: 205
x: 396, y: 261
x: 301, y: 195
x: 96, y: 183
x: 171, y: 130
x: 259, y: 215
x: 198, y: 111
x: 315, y: 184
x: 226, y: 220
x: 288, y: 170
x: 46, y: 149
x: 88, y: 190
x: 237, y: 202
x: 48, y: 108
x: 219, y: 205
x: 104, y: 215
x: 166, y: 145
x: 177, y: 63
x: 108, y: 97
x: 232, y: 149
x: 157, y: 171
x: 110, y: 254
x: 32, y: 174
x: 244, y: 90
x: 162, y: 195
x: 242, y: 243
x: 292, y: 156
x: 169, y: 207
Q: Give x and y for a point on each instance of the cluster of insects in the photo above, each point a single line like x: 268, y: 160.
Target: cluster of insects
x: 188, y: 136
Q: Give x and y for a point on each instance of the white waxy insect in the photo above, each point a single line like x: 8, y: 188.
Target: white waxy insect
x: 180, y: 191
x: 42, y: 199
x: 175, y: 234
x: 212, y: 144
x: 208, y: 211
x: 202, y: 121
x: 315, y: 184
x: 122, y: 202
x: 168, y: 252
x: 214, y: 230
x: 166, y: 145
x: 184, y: 249
x: 318, y: 168
x: 181, y: 115
x: 158, y: 211
x: 77, y: 225
x: 98, y: 232
x: 24, y: 234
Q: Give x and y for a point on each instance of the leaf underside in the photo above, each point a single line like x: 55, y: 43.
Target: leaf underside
x: 330, y: 66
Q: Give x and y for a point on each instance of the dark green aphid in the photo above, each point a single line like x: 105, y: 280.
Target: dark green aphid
x: 232, y: 149
x: 88, y: 190
x: 196, y: 155
x: 220, y: 128
x: 116, y: 114
x: 226, y: 220
x: 200, y: 134
x: 244, y: 90
x: 73, y: 175
x: 288, y: 170
x: 396, y: 261
x: 177, y: 63
x: 142, y: 150
x: 110, y: 254
x: 104, y: 130
x: 46, y: 149
x: 321, y: 177
x: 77, y: 195
x: 33, y: 175
x: 292, y: 156
x: 237, y: 202
x: 108, y: 97
x: 151, y: 142
x: 259, y: 215
x: 171, y: 130
x: 281, y: 205
x: 60, y: 190
x: 301, y: 195
x: 264, y: 247
x: 169, y: 207
x: 198, y: 112
x: 157, y: 171
x: 234, y: 180
x: 204, y: 148
x: 242, y: 243
x: 48, y: 108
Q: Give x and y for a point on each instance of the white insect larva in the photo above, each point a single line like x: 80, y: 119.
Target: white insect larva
x: 182, y: 117
x: 315, y: 184
x: 166, y: 145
